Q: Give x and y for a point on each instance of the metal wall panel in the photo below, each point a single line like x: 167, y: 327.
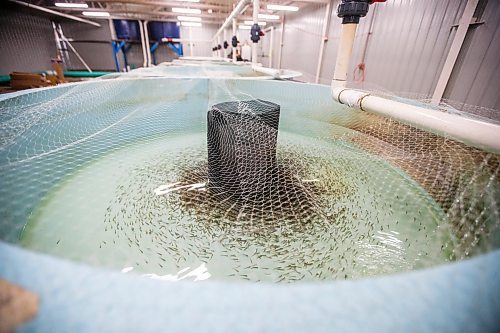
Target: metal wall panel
x: 302, y: 38
x: 201, y: 34
x: 476, y: 76
x: 405, y: 51
x: 99, y: 54
x: 26, y: 41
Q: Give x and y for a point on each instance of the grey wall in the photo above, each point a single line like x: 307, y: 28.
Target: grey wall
x: 476, y: 76
x: 98, y: 54
x: 406, y: 50
x: 26, y: 40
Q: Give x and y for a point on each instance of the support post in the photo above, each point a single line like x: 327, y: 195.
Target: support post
x: 191, y: 44
x: 271, y: 43
x: 324, y: 38
x: 146, y: 38
x: 256, y: 7
x: 456, y: 45
x: 143, y: 45
x: 224, y: 39
x: 235, y: 58
x: 281, y: 41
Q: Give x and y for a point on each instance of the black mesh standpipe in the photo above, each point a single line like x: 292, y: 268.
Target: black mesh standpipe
x: 242, y: 140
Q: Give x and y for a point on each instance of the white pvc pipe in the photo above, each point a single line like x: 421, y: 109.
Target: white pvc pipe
x: 191, y: 44
x: 183, y: 40
x: 224, y: 39
x: 148, y: 47
x: 144, y: 56
x: 344, y: 54
x: 472, y: 132
x: 271, y: 43
x: 236, y: 11
x: 256, y: 8
x: 218, y: 43
x: 275, y: 73
x: 281, y: 41
x: 235, y: 58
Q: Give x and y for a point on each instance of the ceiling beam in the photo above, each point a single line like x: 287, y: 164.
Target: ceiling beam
x: 54, y: 12
x: 168, y: 4
x: 147, y: 12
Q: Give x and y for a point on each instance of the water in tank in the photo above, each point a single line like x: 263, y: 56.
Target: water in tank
x: 120, y: 174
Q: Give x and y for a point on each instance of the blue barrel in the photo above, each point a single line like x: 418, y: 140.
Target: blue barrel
x: 127, y: 29
x: 159, y: 30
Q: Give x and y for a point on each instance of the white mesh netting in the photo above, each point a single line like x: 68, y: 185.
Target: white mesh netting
x: 257, y: 180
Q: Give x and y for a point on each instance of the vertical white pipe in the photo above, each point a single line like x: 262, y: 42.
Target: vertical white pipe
x: 191, y: 44
x: 218, y: 43
x: 234, y: 48
x: 344, y: 54
x: 148, y: 47
x: 256, y: 7
x: 112, y: 29
x: 456, y: 45
x: 324, y: 39
x: 271, y: 43
x: 144, y: 56
x: 281, y: 41
x: 224, y: 39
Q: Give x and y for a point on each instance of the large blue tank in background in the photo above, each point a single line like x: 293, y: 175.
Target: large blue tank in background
x: 159, y: 30
x: 127, y: 29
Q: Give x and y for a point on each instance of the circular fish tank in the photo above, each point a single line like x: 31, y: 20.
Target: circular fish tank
x: 226, y: 181
x: 206, y: 69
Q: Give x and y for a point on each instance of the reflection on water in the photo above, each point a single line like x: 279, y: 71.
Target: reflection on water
x: 147, y: 209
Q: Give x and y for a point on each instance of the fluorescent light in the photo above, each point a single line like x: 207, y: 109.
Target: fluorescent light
x: 281, y: 7
x: 269, y: 17
x: 96, y: 14
x: 245, y: 27
x: 190, y: 0
x: 189, y: 18
x: 259, y: 23
x: 210, y: 11
x: 191, y: 24
x: 71, y: 5
x: 186, y: 10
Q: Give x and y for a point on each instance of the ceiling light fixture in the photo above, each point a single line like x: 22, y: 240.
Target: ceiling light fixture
x: 190, y: 0
x: 96, y: 14
x: 269, y: 17
x: 281, y: 7
x: 191, y: 24
x: 210, y: 11
x: 71, y: 5
x: 186, y: 10
x: 245, y: 27
x: 263, y: 24
x: 189, y: 18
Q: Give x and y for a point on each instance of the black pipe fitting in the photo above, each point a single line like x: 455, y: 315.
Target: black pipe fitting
x: 219, y: 47
x: 226, y: 44
x: 234, y: 41
x: 255, y: 33
x: 352, y: 10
